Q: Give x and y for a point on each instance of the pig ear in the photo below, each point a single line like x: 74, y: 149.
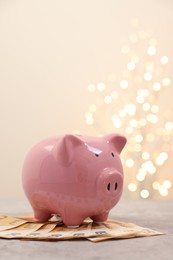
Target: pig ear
x: 64, y: 149
x: 117, y: 140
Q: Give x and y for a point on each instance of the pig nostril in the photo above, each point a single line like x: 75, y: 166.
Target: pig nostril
x: 108, y: 186
x: 116, y: 185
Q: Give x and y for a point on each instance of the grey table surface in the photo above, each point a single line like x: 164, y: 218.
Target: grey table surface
x: 157, y: 215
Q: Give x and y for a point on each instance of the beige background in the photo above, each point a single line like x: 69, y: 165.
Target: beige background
x: 49, y: 52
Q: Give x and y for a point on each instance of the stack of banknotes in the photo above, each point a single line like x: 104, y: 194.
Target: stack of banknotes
x: 27, y: 227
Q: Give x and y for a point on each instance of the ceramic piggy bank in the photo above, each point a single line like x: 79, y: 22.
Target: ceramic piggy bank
x: 75, y: 177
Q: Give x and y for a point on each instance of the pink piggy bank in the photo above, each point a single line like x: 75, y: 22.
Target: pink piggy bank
x: 75, y: 177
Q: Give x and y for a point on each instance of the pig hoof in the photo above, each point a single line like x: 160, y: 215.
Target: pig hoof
x: 72, y: 226
x: 41, y: 216
x: 98, y: 222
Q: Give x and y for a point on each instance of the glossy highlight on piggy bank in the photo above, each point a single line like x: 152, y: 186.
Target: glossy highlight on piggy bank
x: 75, y: 177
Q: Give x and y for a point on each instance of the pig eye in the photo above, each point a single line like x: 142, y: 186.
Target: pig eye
x: 96, y: 154
x: 112, y: 154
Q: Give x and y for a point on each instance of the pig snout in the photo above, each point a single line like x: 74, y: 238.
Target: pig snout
x: 110, y: 183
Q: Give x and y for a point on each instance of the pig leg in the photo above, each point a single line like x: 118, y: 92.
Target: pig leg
x: 100, y: 218
x: 41, y: 215
x: 72, y: 220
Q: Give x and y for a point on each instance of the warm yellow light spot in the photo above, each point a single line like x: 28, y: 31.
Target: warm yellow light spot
x: 116, y: 121
x: 151, y: 50
x: 156, y: 86
x: 148, y: 76
x: 138, y: 138
x: 107, y: 99
x: 140, y: 176
x: 156, y: 185
x: 122, y: 113
x: 167, y: 184
x: 152, y: 98
x: 124, y: 84
x: 130, y: 109
x: 129, y: 130
x: 146, y: 106
x: 164, y: 60
x: 133, y: 122
x: 163, y: 156
x: 101, y: 86
x: 154, y: 109
x: 169, y: 126
x: 131, y: 66
x: 88, y: 114
x: 145, y: 155
x: 129, y: 163
x: 144, y: 194
x: 135, y: 59
x: 89, y: 121
x: 132, y: 187
x: 166, y: 82
x: 89, y: 118
x: 149, y: 167
x: 149, y: 67
x: 142, y: 122
x: 163, y: 191
x: 76, y: 132
x: 137, y: 148
x: 143, y: 92
x: 140, y: 99
x: 152, y: 118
